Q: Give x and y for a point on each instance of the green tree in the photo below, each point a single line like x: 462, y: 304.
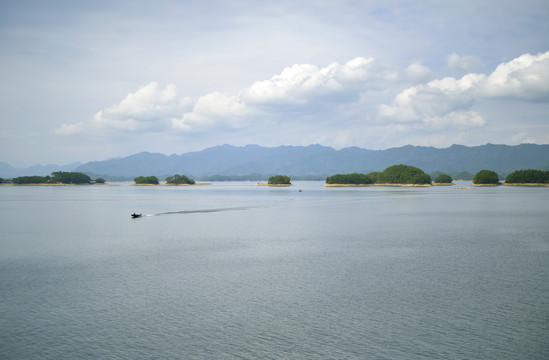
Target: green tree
x: 279, y: 180
x: 403, y: 174
x: 99, y: 181
x: 443, y: 179
x: 179, y: 179
x: 64, y: 177
x: 353, y: 179
x: 421, y: 179
x: 34, y: 179
x: 146, y: 180
x: 528, y: 176
x: 374, y: 176
x: 486, y: 177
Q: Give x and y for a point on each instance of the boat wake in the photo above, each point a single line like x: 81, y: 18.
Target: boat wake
x: 199, y: 211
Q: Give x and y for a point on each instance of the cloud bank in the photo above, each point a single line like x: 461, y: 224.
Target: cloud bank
x: 448, y: 101
x: 150, y: 108
x: 339, y: 104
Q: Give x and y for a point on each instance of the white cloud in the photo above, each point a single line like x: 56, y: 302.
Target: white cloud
x: 335, y: 104
x: 149, y: 108
x: 526, y: 77
x: 462, y: 63
x: 303, y: 83
x: 212, y: 109
x: 69, y: 129
x: 448, y: 101
x: 417, y: 72
x: 434, y: 99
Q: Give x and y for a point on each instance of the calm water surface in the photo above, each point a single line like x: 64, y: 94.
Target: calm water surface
x: 232, y: 270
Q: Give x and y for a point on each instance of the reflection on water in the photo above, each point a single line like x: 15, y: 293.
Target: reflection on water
x: 256, y: 272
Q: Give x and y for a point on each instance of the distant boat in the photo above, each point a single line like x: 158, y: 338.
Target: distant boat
x: 135, y: 216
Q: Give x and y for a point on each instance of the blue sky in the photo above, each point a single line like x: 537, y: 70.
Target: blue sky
x: 91, y: 80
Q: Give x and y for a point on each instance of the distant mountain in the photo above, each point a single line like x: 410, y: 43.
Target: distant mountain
x: 317, y: 160
x: 305, y: 161
x: 8, y: 171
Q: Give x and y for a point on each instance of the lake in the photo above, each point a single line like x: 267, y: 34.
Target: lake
x: 236, y: 271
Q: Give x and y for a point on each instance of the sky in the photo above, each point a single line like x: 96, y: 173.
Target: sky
x: 91, y: 80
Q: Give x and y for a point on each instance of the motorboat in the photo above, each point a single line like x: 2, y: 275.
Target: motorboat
x: 135, y: 216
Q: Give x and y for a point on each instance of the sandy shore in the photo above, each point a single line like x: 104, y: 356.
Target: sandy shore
x: 366, y: 185
x: 274, y: 185
x: 196, y: 184
x: 527, y: 184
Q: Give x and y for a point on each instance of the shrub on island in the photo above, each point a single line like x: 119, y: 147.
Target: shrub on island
x: 99, y: 181
x: 279, y: 180
x: 528, y: 176
x: 179, y: 180
x: 352, y: 179
x: 146, y: 180
x: 486, y: 177
x: 403, y: 174
x: 64, y: 177
x: 396, y: 174
x: 443, y: 179
x: 33, y: 179
x: 58, y: 177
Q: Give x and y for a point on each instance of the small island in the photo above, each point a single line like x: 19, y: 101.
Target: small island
x: 443, y: 180
x: 396, y: 175
x: 179, y: 180
x: 486, y: 178
x: 278, y: 180
x: 56, y: 178
x: 355, y: 179
x: 528, y: 177
x: 146, y: 180
x: 175, y: 180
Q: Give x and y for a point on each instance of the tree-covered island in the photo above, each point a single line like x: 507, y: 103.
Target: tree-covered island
x: 352, y: 179
x: 486, y: 178
x: 279, y: 180
x: 179, y: 180
x: 528, y: 177
x: 146, y: 180
x: 56, y: 178
x: 403, y: 175
x: 443, y: 179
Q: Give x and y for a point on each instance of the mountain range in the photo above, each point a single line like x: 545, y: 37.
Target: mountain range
x: 313, y: 161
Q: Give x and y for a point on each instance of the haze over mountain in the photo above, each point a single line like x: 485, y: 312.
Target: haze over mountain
x: 307, y: 161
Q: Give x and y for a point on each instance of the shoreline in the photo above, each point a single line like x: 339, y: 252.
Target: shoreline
x: 527, y: 184
x: 58, y: 184
x: 274, y: 185
x: 368, y: 185
x: 196, y: 184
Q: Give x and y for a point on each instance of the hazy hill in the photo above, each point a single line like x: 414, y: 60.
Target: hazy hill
x: 317, y: 160
x: 312, y: 160
x: 8, y: 171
